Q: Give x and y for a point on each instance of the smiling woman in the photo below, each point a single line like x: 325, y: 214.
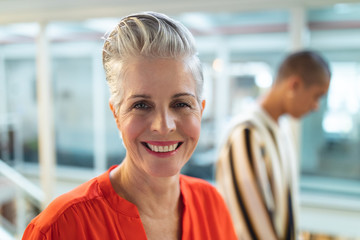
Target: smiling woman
x: 155, y: 80
x: 159, y: 110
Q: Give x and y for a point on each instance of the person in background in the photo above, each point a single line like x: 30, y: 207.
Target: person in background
x: 155, y: 79
x: 257, y: 170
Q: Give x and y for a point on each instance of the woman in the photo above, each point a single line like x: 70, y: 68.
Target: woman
x: 155, y: 80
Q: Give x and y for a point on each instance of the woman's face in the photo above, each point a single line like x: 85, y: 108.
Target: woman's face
x: 159, y: 116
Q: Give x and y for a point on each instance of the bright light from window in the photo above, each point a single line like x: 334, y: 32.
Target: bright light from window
x: 338, y: 123
x: 343, y: 99
x: 263, y: 79
x: 343, y: 92
x: 218, y: 65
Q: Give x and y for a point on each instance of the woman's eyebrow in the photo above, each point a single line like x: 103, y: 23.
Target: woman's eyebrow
x: 148, y: 96
x: 139, y: 96
x: 183, y: 94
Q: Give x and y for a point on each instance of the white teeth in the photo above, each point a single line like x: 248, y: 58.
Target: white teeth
x: 162, y: 148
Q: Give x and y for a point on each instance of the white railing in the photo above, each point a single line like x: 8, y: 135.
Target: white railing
x: 26, y: 194
x: 20, y: 181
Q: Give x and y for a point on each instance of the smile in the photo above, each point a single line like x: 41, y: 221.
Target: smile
x: 162, y: 148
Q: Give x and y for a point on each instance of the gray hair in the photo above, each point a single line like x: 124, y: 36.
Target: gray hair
x: 147, y: 35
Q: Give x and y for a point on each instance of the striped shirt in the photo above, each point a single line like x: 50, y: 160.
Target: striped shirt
x: 257, y: 175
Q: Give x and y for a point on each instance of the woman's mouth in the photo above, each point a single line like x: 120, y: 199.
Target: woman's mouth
x: 163, y: 147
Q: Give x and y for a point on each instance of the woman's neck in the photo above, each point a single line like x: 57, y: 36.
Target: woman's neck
x: 158, y: 200
x: 153, y: 196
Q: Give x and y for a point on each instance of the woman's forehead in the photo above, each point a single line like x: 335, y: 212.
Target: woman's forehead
x: 158, y: 76
x: 157, y: 70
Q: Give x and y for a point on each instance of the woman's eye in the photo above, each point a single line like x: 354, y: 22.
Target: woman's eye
x: 181, y: 105
x: 141, y: 106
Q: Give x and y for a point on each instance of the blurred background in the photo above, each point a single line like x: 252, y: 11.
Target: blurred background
x: 57, y: 131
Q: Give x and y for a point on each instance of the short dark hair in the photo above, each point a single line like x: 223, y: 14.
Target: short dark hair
x: 310, y: 66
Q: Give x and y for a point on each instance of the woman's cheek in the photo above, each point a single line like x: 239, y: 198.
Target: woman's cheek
x: 192, y: 127
x: 132, y: 127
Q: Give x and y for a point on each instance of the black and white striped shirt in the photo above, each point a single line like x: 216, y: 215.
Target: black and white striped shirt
x: 257, y: 175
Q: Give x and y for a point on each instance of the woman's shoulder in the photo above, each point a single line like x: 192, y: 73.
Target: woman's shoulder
x: 67, y: 204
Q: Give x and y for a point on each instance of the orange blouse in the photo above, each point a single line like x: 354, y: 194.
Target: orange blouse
x: 94, y: 211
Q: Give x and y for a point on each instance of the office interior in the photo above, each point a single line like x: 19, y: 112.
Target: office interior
x: 57, y: 131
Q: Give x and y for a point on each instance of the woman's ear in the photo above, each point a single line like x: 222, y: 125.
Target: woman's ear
x: 203, y: 103
x: 114, y: 114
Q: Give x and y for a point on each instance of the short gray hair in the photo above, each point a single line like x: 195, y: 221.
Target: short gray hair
x: 147, y: 35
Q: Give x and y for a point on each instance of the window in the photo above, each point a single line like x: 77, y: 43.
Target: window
x: 18, y: 103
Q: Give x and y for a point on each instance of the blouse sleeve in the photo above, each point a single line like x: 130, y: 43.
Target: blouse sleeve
x: 33, y: 233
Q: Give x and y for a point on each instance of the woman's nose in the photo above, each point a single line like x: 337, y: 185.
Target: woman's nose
x: 163, y: 123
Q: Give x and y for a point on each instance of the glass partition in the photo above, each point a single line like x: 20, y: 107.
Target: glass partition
x: 73, y: 111
x: 330, y: 138
x: 18, y: 103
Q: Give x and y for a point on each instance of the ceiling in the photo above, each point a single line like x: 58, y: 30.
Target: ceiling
x: 14, y: 11
x: 62, y: 24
